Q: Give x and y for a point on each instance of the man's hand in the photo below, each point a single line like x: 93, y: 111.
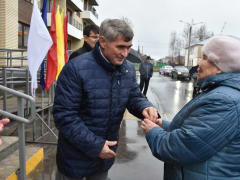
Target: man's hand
x: 150, y: 113
x: 106, y: 152
x: 147, y: 125
x: 3, y: 122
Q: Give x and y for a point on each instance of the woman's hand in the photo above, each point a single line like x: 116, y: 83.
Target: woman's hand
x: 159, y: 122
x: 147, y: 125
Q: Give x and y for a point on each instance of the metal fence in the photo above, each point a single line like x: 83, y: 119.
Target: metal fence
x: 14, y: 74
x: 21, y: 121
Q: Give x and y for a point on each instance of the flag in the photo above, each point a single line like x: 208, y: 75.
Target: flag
x: 39, y: 42
x: 65, y: 26
x: 44, y: 17
x: 60, y: 41
x: 52, y: 54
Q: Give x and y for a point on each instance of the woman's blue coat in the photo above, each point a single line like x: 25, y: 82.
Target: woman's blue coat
x: 91, y: 98
x: 203, y: 139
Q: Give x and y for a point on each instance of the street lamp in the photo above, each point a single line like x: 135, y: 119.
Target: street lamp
x: 189, y: 36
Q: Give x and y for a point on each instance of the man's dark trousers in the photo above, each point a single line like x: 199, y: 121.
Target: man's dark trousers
x: 144, y: 82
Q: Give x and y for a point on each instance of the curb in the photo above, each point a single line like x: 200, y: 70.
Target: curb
x: 31, y: 164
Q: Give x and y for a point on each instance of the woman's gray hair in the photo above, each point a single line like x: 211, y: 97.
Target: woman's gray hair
x: 111, y: 28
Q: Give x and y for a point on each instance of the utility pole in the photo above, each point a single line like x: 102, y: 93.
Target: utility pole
x: 223, y: 27
x: 189, y: 36
x: 189, y: 44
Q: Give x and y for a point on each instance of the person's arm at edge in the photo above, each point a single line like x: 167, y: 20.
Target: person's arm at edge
x: 3, y: 122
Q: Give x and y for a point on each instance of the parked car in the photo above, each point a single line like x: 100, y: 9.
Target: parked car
x: 165, y: 70
x: 180, y: 72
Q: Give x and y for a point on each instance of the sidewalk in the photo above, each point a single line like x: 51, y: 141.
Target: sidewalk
x: 134, y: 159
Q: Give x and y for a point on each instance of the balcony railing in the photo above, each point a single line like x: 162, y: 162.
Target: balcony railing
x: 76, y: 24
x: 71, y: 21
x: 93, y: 10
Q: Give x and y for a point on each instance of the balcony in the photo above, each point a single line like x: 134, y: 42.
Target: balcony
x: 94, y: 2
x: 74, y: 32
x: 76, y: 4
x: 75, y: 28
x: 91, y: 16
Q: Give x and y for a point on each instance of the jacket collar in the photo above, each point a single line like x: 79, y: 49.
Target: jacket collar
x: 102, y: 61
x: 86, y: 46
x: 231, y: 79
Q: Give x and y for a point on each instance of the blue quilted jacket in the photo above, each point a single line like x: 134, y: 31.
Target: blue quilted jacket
x: 203, y: 140
x: 91, y: 98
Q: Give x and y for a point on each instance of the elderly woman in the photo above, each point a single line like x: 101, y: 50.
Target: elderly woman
x: 203, y: 140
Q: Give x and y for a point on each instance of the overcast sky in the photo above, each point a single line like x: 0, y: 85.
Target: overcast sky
x: 154, y: 20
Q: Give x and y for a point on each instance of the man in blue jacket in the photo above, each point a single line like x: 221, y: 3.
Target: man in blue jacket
x: 146, y: 71
x: 92, y: 94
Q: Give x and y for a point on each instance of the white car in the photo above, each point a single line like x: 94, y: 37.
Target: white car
x: 166, y: 70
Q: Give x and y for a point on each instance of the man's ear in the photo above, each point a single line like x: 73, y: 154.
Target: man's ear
x: 85, y: 37
x: 102, y: 42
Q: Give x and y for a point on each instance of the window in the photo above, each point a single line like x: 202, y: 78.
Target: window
x: 30, y: 1
x: 19, y: 35
x: 85, y: 5
x: 69, y: 16
x: 49, y: 5
x: 23, y: 31
x: 69, y: 43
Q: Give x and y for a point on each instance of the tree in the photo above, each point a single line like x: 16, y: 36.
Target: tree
x: 202, y: 33
x: 175, y: 47
x: 199, y: 34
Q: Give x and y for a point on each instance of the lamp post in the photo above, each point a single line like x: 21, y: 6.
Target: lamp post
x: 189, y: 36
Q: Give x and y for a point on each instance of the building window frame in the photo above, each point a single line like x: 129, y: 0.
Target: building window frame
x: 23, y: 31
x: 69, y: 43
x: 70, y: 16
x: 29, y: 1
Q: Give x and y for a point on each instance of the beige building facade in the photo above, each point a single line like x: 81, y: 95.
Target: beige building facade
x: 9, y: 24
x: 15, y: 17
x: 195, y: 51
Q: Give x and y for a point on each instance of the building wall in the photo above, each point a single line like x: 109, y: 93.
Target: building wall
x: 195, y: 55
x: 9, y: 27
x: 14, y: 11
x: 24, y: 11
x: 3, y: 23
x: 62, y: 5
x: 9, y: 24
x: 75, y: 43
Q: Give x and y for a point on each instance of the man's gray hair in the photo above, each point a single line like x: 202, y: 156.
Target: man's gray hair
x: 112, y: 28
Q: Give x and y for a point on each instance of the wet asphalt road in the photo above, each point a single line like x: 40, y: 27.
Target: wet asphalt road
x: 170, y: 95
x: 134, y: 159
